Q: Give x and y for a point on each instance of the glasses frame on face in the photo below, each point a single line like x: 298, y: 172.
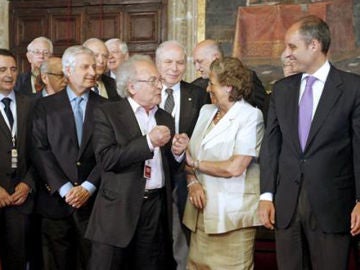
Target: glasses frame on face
x: 58, y: 75
x: 153, y: 81
x: 38, y: 53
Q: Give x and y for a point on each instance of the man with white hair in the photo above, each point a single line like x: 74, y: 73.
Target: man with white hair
x: 118, y: 53
x: 135, y: 142
x: 38, y: 50
x: 64, y: 159
x: 183, y: 101
x: 104, y: 86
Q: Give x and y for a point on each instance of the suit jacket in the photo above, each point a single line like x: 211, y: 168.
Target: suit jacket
x: 56, y: 155
x: 258, y: 93
x: 231, y: 201
x: 122, y: 149
x: 24, y: 172
x: 23, y: 83
x: 110, y: 85
x: 329, y: 166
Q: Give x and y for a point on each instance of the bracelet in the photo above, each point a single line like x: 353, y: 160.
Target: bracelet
x: 192, y: 182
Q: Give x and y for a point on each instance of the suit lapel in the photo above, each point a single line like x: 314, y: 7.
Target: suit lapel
x: 128, y: 119
x: 4, y: 127
x: 186, y: 108
x: 330, y: 95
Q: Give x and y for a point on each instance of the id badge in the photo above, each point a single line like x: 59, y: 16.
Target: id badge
x: 147, y: 169
x: 14, y: 158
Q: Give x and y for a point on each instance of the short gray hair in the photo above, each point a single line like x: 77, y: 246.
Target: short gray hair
x: 70, y: 54
x: 163, y: 46
x: 122, y: 45
x: 43, y: 39
x: 127, y: 72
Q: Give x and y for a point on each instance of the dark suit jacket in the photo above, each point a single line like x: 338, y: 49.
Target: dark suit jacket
x: 110, y: 85
x: 122, y: 149
x: 23, y: 83
x: 329, y: 167
x: 23, y: 172
x: 257, y: 96
x: 56, y: 154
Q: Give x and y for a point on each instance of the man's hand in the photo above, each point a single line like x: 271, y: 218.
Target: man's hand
x: 77, y: 196
x: 355, y: 220
x: 159, y: 136
x: 20, y: 195
x: 179, y: 143
x: 266, y: 212
x: 5, y: 198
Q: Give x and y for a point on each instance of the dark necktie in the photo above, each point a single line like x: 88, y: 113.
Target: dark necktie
x: 169, y: 102
x: 96, y: 89
x: 8, y: 112
x: 78, y: 118
x: 305, y: 111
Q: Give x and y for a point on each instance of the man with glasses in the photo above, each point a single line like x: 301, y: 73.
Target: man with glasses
x: 131, y: 219
x: 118, y: 53
x: 52, y: 76
x: 105, y: 86
x: 39, y: 50
x: 183, y: 101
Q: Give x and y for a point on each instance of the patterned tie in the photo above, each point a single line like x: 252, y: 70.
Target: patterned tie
x: 305, y: 111
x: 169, y: 102
x: 96, y: 89
x: 8, y: 112
x: 78, y: 118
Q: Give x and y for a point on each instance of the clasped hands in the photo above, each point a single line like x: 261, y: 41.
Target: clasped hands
x: 77, y: 196
x: 160, y: 135
x: 17, y: 198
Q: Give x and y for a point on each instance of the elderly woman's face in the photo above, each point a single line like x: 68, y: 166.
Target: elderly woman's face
x: 219, y: 94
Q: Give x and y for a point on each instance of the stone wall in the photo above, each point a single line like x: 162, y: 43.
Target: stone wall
x: 4, y: 23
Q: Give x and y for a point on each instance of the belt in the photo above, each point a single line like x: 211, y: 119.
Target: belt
x: 151, y: 193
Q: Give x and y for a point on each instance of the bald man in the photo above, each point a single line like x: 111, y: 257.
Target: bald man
x: 205, y: 52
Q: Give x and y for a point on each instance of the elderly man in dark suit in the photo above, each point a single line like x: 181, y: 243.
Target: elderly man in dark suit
x: 38, y: 50
x: 183, y: 101
x: 16, y: 181
x: 65, y: 161
x: 131, y: 219
x: 204, y: 53
x: 310, y: 174
x: 105, y: 86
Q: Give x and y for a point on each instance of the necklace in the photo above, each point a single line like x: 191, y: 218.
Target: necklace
x: 217, y: 117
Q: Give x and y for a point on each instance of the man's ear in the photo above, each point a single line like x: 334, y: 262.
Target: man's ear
x: 131, y: 86
x: 44, y: 78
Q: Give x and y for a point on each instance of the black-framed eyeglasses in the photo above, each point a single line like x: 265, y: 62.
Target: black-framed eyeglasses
x: 59, y: 75
x: 38, y: 53
x: 153, y: 81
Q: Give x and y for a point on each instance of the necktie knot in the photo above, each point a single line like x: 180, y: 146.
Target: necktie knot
x: 6, y: 102
x: 169, y: 91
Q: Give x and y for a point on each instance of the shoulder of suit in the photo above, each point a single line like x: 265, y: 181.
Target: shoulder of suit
x: 193, y: 89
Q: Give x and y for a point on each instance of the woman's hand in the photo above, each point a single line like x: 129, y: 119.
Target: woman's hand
x: 197, y: 195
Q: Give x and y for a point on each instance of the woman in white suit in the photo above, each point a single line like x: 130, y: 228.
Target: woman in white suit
x: 223, y: 174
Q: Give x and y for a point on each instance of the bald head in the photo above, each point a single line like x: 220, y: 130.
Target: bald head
x: 101, y: 54
x: 204, y: 54
x: 52, y: 75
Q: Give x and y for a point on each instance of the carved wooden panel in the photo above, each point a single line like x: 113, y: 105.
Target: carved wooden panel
x: 141, y: 23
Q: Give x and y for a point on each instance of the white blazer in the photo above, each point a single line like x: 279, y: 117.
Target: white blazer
x: 231, y: 202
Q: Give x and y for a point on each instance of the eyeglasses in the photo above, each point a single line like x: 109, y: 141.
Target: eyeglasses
x: 59, y: 75
x: 38, y: 53
x: 153, y: 81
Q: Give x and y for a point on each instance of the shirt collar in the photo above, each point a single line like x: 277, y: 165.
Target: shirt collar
x: 321, y: 74
x: 11, y: 95
x: 136, y: 106
x: 72, y: 95
x: 175, y: 88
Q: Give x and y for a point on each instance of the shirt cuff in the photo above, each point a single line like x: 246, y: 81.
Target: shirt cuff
x: 151, y: 147
x: 89, y: 187
x: 266, y: 196
x: 64, y: 189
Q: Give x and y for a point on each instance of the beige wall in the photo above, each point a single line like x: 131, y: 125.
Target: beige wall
x: 4, y: 19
